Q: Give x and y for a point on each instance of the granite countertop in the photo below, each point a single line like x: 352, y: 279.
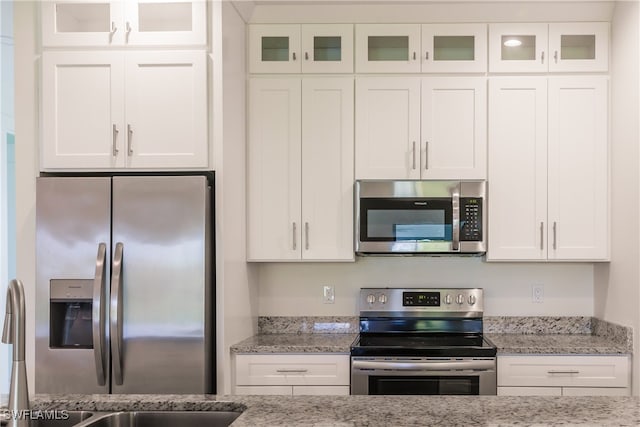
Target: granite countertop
x: 295, y: 343
x: 396, y: 411
x: 556, y: 344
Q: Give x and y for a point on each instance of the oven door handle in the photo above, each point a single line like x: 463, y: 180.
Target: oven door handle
x: 431, y: 365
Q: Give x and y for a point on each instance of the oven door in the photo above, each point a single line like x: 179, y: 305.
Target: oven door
x: 429, y: 376
x: 406, y: 225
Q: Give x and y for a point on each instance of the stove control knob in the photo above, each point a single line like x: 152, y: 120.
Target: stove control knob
x: 472, y: 299
x: 460, y: 299
x: 447, y: 299
x: 382, y: 299
x: 371, y: 298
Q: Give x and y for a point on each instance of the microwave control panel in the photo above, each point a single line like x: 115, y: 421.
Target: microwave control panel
x: 471, y: 219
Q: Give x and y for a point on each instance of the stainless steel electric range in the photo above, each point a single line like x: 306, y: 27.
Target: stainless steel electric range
x: 422, y: 342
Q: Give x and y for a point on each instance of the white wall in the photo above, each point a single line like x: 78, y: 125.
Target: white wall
x: 26, y: 125
x: 296, y: 289
x: 617, y: 285
x: 237, y: 298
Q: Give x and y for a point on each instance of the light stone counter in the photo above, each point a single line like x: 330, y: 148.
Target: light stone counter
x: 295, y: 343
x: 370, y: 411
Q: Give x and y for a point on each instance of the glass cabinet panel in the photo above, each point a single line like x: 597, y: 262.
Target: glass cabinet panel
x: 83, y: 17
x: 388, y: 48
x: 275, y: 48
x: 327, y: 48
x: 518, y: 48
x: 453, y: 48
x: 165, y: 17
x: 575, y: 46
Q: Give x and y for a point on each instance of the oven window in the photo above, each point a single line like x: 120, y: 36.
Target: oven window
x: 437, y: 385
x: 390, y: 220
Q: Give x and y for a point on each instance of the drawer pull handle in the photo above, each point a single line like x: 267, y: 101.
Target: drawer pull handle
x: 563, y: 372
x: 291, y: 371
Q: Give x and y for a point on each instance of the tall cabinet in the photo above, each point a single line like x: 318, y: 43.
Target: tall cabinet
x: 109, y: 101
x: 548, y: 170
x: 300, y: 169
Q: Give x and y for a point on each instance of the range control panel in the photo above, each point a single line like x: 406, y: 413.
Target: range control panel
x: 458, y: 302
x: 471, y: 219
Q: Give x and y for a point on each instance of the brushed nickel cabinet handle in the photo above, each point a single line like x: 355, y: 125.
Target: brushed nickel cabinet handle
x: 295, y: 243
x: 541, y: 235
x: 570, y: 371
x: 555, y: 56
x: 291, y: 371
x: 294, y: 56
x: 306, y: 56
x: 554, y: 236
x: 129, y: 138
x: 542, y: 58
x: 414, y: 56
x: 426, y: 155
x: 427, y: 56
x: 113, y: 27
x: 114, y: 132
x: 414, y: 155
x: 306, y: 235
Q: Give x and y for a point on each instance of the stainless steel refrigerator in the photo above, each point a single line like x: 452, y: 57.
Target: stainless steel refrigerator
x: 124, y: 284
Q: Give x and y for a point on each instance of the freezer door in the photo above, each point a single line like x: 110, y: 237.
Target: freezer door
x: 160, y: 324
x: 72, y: 276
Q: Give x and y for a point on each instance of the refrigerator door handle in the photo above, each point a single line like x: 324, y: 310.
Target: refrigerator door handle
x: 116, y: 314
x: 99, y: 313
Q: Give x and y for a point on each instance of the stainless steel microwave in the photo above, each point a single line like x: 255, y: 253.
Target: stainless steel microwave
x: 420, y: 217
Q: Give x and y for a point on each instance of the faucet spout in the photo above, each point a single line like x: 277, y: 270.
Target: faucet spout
x: 14, y: 333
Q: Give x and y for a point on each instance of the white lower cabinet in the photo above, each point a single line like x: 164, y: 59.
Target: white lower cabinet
x: 566, y: 375
x: 292, y: 374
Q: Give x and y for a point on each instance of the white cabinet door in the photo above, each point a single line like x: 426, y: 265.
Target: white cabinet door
x: 274, y: 48
x: 579, y: 46
x: 517, y: 168
x: 86, y: 23
x: 454, y: 128
x: 264, y: 390
x: 117, y: 23
x: 529, y: 391
x: 454, y: 48
x: 166, y: 99
x: 161, y: 22
x: 519, y: 47
x: 82, y: 110
x: 274, y: 169
x: 321, y: 390
x: 388, y: 128
x: 327, y: 168
x: 292, y: 369
x: 327, y: 48
x: 387, y: 48
x: 596, y: 391
x: 578, y: 168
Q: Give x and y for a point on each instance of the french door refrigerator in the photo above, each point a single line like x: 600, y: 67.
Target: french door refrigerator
x: 124, y: 292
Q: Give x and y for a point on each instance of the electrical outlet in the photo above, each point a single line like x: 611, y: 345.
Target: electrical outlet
x: 537, y: 293
x: 328, y: 294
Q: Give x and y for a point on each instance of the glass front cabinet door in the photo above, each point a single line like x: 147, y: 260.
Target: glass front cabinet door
x: 518, y: 47
x: 579, y: 46
x: 293, y: 48
x: 454, y: 48
x: 387, y: 48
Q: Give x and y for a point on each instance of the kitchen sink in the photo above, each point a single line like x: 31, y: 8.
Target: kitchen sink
x: 162, y: 419
x: 71, y: 418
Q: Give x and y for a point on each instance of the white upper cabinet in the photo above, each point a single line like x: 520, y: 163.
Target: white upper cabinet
x: 578, y: 168
x: 548, y: 169
x: 558, y: 47
x: 388, y: 128
x: 117, y: 23
x: 454, y: 48
x: 106, y: 109
x: 421, y: 128
x: 579, y: 46
x: 454, y: 128
x: 307, y: 48
x: 518, y: 47
x: 300, y: 169
x: 387, y: 48
x: 517, y: 175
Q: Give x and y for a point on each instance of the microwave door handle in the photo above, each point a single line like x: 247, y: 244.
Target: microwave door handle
x: 455, y: 204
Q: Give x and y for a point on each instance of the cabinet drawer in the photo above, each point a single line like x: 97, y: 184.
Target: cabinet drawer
x: 554, y: 371
x: 287, y: 369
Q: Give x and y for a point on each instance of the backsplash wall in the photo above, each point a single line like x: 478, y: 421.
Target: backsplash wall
x: 295, y: 289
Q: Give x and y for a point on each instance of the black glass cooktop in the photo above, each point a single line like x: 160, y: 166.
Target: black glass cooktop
x: 422, y: 345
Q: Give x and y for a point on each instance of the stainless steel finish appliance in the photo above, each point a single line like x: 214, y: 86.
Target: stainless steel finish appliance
x: 124, y: 287
x: 422, y: 342
x: 420, y: 217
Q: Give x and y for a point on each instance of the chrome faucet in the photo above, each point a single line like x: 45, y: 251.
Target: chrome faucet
x: 14, y: 333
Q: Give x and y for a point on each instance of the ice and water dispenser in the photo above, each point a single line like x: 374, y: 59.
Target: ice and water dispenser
x: 70, y: 310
